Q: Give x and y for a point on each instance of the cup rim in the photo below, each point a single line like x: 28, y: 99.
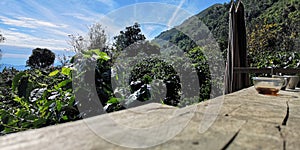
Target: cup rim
x: 266, y: 79
x: 290, y: 76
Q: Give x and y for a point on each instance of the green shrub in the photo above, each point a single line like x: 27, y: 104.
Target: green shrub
x: 37, y: 98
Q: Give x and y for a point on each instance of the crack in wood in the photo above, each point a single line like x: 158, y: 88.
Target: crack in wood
x: 231, y: 140
x: 283, y: 138
x: 284, y: 122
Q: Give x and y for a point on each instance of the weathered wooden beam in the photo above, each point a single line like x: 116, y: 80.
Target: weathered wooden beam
x: 246, y: 120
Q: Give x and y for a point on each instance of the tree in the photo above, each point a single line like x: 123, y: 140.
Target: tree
x: 201, y: 65
x: 95, y: 39
x: 77, y: 42
x: 145, y: 47
x: 131, y: 35
x: 41, y: 58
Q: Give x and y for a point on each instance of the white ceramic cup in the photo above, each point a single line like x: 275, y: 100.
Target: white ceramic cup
x: 294, y: 79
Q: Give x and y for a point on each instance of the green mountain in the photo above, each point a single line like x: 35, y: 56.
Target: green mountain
x: 271, y: 26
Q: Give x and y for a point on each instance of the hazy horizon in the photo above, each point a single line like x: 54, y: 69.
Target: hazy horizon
x: 27, y: 25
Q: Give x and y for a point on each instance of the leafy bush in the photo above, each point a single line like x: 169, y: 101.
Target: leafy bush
x: 149, y: 69
x: 37, y: 98
x: 91, y: 78
x: 203, y: 72
x: 278, y: 59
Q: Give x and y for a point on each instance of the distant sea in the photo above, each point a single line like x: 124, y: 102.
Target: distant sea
x: 18, y: 67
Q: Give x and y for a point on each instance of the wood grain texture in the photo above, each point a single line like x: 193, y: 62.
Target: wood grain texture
x: 246, y: 120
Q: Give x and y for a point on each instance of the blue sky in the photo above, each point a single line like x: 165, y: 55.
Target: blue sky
x: 28, y: 24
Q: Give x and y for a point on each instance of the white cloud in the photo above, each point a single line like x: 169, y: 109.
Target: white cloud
x: 154, y: 16
x: 58, y: 22
x: 13, y: 29
x: 25, y: 40
x: 110, y: 3
x: 60, y: 33
x: 29, y: 22
x: 84, y: 17
x: 10, y: 55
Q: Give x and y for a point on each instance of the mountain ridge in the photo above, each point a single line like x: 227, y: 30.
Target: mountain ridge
x: 270, y: 16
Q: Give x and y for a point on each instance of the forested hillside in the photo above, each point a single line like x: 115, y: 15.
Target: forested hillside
x: 272, y: 26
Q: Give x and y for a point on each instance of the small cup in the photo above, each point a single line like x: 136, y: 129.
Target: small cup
x: 268, y: 86
x: 285, y: 80
x: 293, y: 81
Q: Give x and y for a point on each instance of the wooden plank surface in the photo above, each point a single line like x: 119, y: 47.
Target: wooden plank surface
x: 244, y: 120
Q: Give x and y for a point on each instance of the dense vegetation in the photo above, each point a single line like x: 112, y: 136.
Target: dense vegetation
x: 45, y: 95
x: 272, y: 30
x: 101, y: 79
x: 154, y: 68
x: 35, y: 98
